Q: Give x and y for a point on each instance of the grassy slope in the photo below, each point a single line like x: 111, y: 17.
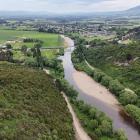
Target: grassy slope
x: 31, y: 107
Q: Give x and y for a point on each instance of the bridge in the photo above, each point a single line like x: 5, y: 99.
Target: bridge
x: 43, y: 48
x: 49, y: 48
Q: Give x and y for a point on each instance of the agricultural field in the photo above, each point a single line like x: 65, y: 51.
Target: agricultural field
x: 15, y: 38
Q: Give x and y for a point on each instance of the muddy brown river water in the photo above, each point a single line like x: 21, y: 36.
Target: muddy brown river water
x: 98, y: 96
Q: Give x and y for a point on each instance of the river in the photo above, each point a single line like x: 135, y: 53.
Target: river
x: 98, y: 96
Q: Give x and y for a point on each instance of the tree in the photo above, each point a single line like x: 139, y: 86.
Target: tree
x: 92, y: 113
x: 93, y: 124
x: 105, y: 80
x: 106, y: 127
x: 98, y: 132
x: 9, y: 46
x: 41, y: 29
x: 37, y: 54
x: 98, y: 76
x: 24, y: 49
x: 119, y: 135
x: 128, y: 97
x: 80, y: 52
x: 134, y: 112
x: 85, y: 108
x: 115, y: 87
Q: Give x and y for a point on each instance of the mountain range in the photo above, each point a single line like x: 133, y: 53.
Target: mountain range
x: 135, y: 11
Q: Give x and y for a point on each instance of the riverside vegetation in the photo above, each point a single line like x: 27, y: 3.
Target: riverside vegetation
x: 97, y: 125
x: 115, y: 67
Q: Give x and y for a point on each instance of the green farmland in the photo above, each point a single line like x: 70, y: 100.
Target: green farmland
x: 15, y: 37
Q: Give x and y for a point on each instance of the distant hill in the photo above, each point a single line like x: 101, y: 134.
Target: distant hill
x: 133, y: 11
x: 25, y: 14
x: 130, y: 12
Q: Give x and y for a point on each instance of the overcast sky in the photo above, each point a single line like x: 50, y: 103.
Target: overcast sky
x: 63, y: 6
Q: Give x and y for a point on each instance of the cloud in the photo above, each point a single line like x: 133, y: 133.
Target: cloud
x: 91, y: 5
x: 63, y: 6
x: 59, y: 2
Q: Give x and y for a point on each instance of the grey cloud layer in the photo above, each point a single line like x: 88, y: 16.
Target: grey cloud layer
x: 67, y: 5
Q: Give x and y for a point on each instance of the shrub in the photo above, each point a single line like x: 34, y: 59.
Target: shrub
x: 9, y: 46
x: 92, y: 113
x: 64, y: 86
x: 61, y: 51
x: 31, y: 62
x: 89, y: 71
x: 106, y: 80
x: 119, y: 135
x: 98, y: 75
x: 30, y: 40
x: 24, y: 49
x: 106, y: 128
x: 85, y: 108
x: 29, y: 53
x: 115, y: 87
x: 134, y: 112
x: 93, y: 124
x: 128, y: 97
x: 98, y: 132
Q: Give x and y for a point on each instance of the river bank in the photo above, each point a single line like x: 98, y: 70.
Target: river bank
x: 80, y: 134
x: 96, y: 95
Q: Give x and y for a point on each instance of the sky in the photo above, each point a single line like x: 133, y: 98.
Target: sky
x: 67, y: 6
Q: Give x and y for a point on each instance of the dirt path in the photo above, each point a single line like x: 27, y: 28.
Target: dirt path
x: 80, y: 134
x: 79, y: 131
x: 89, y: 65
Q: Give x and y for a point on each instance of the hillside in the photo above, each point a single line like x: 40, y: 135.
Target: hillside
x: 31, y: 107
x: 133, y: 11
x: 119, y: 62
